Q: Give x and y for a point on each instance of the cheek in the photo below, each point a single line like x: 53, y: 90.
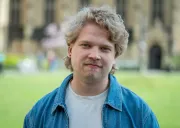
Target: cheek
x: 109, y: 60
x: 76, y: 59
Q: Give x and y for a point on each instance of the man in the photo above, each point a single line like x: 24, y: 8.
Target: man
x: 2, y: 59
x: 91, y: 97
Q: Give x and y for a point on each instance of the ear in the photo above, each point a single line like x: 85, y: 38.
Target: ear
x: 69, y: 51
x: 115, y: 66
x: 114, y: 61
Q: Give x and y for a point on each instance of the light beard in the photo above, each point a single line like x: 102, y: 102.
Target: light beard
x: 93, y: 77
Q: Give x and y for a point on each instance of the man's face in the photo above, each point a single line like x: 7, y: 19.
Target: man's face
x: 92, y: 54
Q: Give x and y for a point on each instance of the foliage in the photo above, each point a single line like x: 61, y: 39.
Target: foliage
x: 12, y: 60
x: 176, y: 62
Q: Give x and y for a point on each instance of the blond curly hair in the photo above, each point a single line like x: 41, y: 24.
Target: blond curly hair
x: 105, y: 17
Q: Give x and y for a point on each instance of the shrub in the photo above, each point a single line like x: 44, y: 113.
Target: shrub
x: 12, y: 60
x: 176, y: 62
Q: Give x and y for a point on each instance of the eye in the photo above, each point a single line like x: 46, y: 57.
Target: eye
x: 105, y: 49
x: 85, y: 45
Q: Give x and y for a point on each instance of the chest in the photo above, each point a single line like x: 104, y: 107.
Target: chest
x: 84, y: 113
x: 103, y: 119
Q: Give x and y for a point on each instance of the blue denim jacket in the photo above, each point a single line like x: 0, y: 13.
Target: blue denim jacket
x: 122, y: 109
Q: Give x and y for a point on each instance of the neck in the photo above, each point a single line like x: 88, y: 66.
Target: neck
x: 89, y: 88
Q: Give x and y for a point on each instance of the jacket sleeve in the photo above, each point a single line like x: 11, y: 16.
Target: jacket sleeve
x: 150, y: 121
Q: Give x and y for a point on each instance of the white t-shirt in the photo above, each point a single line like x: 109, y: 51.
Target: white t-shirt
x: 84, y: 111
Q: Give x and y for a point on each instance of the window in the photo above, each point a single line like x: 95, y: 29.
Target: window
x: 84, y: 3
x: 15, y: 30
x: 157, y: 10
x: 49, y: 11
x: 15, y: 6
x: 121, y: 8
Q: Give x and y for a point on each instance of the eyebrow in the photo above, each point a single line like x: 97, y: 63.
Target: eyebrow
x: 102, y: 45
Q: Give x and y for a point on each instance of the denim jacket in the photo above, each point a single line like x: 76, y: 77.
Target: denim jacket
x: 122, y: 109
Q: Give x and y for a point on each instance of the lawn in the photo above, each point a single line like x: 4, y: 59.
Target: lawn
x: 19, y: 92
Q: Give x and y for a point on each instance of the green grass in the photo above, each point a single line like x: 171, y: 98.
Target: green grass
x: 19, y: 92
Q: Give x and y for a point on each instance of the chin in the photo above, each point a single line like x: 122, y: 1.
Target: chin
x: 93, y: 76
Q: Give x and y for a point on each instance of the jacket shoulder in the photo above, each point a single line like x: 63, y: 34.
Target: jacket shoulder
x: 46, y: 101
x: 136, y: 107
x: 41, y: 108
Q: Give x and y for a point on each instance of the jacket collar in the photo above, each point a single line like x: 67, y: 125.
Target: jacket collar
x: 114, y: 98
x: 61, y: 94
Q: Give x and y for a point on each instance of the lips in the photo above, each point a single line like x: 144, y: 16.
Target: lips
x: 93, y: 65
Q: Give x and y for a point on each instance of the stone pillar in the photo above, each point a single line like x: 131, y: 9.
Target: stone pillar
x: 176, y: 27
x: 4, y: 14
x: 29, y: 24
x: 142, y: 37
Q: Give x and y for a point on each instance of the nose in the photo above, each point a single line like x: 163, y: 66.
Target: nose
x: 94, y: 54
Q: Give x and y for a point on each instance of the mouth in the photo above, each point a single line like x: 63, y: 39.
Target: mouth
x: 94, y: 65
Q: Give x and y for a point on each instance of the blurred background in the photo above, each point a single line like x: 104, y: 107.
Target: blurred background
x: 31, y: 29
x: 32, y: 48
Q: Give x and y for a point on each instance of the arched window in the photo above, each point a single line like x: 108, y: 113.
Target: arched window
x: 84, y: 3
x: 157, y: 10
x: 15, y: 6
x: 49, y: 11
x: 15, y: 26
x: 121, y: 8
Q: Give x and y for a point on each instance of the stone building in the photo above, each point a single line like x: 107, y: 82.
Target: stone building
x: 153, y: 25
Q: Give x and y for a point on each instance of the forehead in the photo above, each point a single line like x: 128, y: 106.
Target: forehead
x: 92, y: 32
x: 94, y: 28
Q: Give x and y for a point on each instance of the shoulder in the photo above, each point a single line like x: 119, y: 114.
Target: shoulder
x: 138, y: 108
x: 130, y: 97
x: 41, y: 108
x: 46, y: 102
x: 46, y: 105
